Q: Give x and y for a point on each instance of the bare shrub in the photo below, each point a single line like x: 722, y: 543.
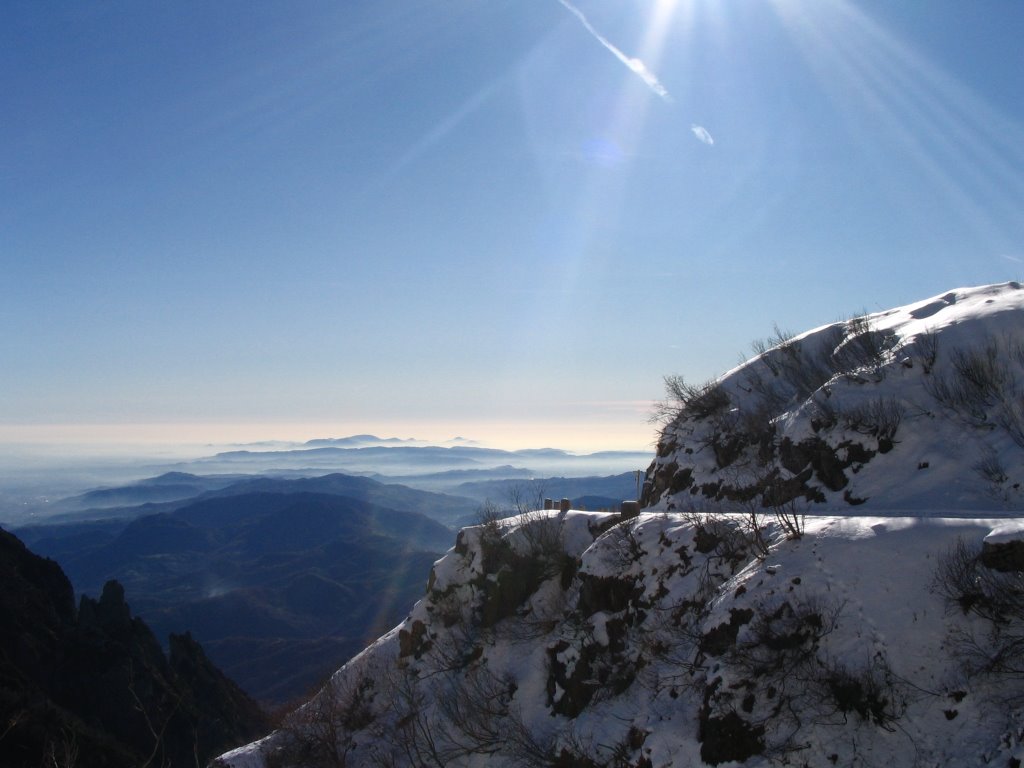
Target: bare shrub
x: 806, y: 369
x: 721, y: 546
x: 765, y: 497
x: 766, y: 349
x: 435, y: 721
x: 864, y: 347
x: 455, y: 650
x: 475, y: 707
x: 873, y: 692
x: 782, y: 638
x: 695, y: 401
x: 494, y: 549
x: 777, y: 678
x: 996, y: 597
x: 773, y: 648
x: 516, y: 557
x: 982, y: 372
x: 823, y: 413
x: 925, y: 349
x: 880, y: 417
x: 526, y: 496
x: 667, y: 410
x: 489, y: 516
x: 544, y: 535
x: 982, y: 386
x: 624, y: 544
x: 61, y: 750
x: 782, y: 663
x: 413, y: 735
x: 754, y: 526
x: 980, y: 379
x: 771, y: 397
x: 480, y: 718
x: 1011, y: 418
x: 320, y: 733
x: 991, y: 469
x: 790, y: 515
x: 755, y: 425
x: 575, y: 751
x: 157, y: 717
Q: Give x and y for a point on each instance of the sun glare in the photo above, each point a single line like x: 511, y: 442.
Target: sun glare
x: 892, y: 93
x: 601, y: 199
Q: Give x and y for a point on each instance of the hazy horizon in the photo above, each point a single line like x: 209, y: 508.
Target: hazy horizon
x: 35, y: 475
x: 177, y: 439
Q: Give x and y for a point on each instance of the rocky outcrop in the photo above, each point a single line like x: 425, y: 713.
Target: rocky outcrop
x: 913, y: 408
x: 676, y: 641
x: 93, y: 687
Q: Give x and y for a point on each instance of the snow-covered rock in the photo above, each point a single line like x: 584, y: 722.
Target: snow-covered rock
x: 729, y: 623
x: 666, y: 642
x: 917, y: 408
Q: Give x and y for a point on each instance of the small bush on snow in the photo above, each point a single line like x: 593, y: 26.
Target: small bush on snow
x: 694, y: 401
x: 997, y: 598
x: 982, y: 386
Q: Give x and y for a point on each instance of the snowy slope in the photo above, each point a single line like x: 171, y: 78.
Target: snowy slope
x: 661, y: 641
x: 917, y: 408
x: 723, y: 626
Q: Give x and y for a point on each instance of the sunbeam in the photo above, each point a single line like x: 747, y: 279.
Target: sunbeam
x: 438, y: 133
x: 968, y: 151
x: 609, y: 152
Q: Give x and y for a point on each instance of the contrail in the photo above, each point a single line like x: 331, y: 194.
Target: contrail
x: 636, y: 65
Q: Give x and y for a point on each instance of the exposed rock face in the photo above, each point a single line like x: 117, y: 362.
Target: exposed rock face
x: 94, y: 688
x: 914, y: 408
x: 674, y: 644
x: 1006, y: 556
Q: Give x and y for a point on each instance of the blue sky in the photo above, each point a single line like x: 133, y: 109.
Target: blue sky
x: 248, y: 220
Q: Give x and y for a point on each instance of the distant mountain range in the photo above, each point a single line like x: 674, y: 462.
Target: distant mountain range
x: 263, y: 578
x: 171, y: 491
x: 41, y: 494
x: 451, y: 497
x: 616, y: 487
x: 359, y: 441
x: 170, y: 486
x: 271, y: 573
x: 390, y: 457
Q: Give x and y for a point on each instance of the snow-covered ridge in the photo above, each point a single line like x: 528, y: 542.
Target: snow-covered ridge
x: 709, y: 630
x: 662, y: 640
x: 919, y: 408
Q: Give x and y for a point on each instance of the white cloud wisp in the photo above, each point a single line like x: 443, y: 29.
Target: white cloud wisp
x: 702, y: 134
x: 635, y: 65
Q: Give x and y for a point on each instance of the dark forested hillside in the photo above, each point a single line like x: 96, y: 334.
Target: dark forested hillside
x: 280, y: 588
x: 92, y: 686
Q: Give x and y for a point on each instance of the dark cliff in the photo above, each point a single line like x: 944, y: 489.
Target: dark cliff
x: 92, y: 686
